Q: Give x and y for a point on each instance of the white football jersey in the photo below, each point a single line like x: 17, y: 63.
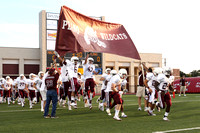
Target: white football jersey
x: 151, y: 80
x: 88, y: 70
x: 164, y: 81
x: 66, y: 72
x: 2, y: 82
x: 30, y: 84
x: 43, y: 86
x: 171, y: 79
x: 105, y: 76
x: 113, y: 80
x: 74, y: 69
x: 38, y: 83
x: 21, y: 84
x: 123, y: 82
x: 7, y: 85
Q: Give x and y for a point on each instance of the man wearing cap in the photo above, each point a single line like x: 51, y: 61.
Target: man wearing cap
x: 51, y: 83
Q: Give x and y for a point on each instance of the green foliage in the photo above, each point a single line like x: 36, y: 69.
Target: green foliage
x: 194, y: 73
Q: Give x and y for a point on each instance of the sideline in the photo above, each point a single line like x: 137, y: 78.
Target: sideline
x: 178, y: 130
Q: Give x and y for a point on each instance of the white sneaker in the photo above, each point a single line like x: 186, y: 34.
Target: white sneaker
x: 42, y: 110
x: 117, y: 118
x: 179, y: 95
x: 165, y: 119
x: 139, y: 108
x: 31, y: 107
x: 184, y: 95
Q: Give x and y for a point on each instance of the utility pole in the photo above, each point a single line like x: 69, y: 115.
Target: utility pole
x: 165, y: 62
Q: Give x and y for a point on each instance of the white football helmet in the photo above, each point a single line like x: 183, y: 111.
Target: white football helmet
x: 74, y: 58
x: 157, y: 70
x: 1, y: 79
x: 108, y: 69
x: 122, y: 72
x: 90, y: 59
x: 39, y: 74
x: 113, y: 72
x: 31, y: 75
x: 7, y: 77
x: 21, y: 75
x: 167, y: 71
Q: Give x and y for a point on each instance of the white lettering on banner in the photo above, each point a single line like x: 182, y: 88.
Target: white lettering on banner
x: 120, y: 36
x: 198, y: 85
x: 91, y: 36
x: 71, y: 26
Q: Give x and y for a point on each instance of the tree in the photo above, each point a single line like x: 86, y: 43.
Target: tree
x: 195, y: 73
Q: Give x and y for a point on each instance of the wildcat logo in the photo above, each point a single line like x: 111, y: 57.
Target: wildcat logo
x: 91, y: 36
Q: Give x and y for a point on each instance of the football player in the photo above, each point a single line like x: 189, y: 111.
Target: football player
x: 102, y: 97
x: 115, y: 86
x: 149, y: 83
x: 163, y: 85
x: 123, y: 82
x: 2, y: 81
x: 21, y: 85
x: 108, y: 91
x: 7, y: 89
x: 89, y: 69
x: 37, y: 86
x: 30, y: 87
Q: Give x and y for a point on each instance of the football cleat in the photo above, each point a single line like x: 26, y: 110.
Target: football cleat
x: 73, y: 104
x: 69, y: 107
x: 146, y: 109
x: 124, y: 116
x: 165, y: 119
x: 108, y: 112
x: 151, y: 113
x: 90, y: 107
x: 42, y: 110
x: 98, y: 99
x: 117, y: 118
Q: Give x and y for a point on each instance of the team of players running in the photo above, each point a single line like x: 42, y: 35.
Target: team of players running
x: 71, y: 85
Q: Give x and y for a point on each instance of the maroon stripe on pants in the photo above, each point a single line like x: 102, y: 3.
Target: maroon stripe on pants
x: 31, y: 94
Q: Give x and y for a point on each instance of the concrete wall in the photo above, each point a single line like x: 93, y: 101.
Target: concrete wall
x: 20, y: 55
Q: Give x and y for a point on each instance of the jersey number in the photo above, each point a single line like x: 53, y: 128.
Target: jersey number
x: 49, y: 83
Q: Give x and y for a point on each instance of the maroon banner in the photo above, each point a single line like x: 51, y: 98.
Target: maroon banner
x: 193, y: 85
x: 79, y: 33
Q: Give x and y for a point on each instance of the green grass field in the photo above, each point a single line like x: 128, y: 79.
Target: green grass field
x: 185, y: 113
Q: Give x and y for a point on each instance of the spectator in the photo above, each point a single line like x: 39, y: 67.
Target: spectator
x: 183, y: 83
x: 141, y: 88
x: 51, y: 83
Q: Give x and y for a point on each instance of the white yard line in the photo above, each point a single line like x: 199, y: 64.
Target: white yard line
x: 60, y: 108
x: 178, y: 130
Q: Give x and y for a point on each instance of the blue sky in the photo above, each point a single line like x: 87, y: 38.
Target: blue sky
x: 156, y: 26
